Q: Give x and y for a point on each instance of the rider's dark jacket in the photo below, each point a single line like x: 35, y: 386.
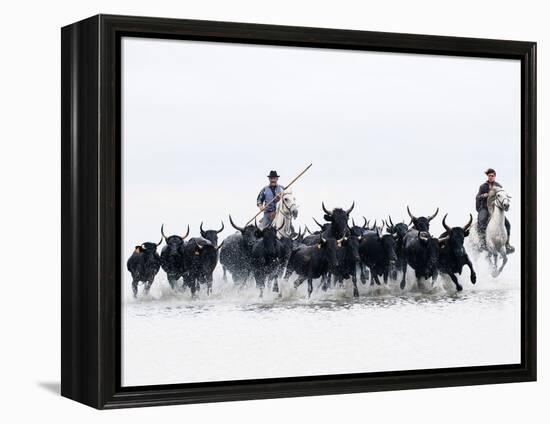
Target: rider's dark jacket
x: 481, y: 202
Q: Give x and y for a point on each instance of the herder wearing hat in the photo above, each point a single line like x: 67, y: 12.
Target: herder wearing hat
x: 267, y: 194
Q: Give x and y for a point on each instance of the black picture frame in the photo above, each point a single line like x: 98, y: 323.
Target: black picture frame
x: 91, y: 211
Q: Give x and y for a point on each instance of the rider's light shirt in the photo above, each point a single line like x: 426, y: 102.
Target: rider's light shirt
x: 267, y: 194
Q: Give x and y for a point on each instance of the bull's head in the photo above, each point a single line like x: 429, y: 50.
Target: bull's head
x: 269, y: 239
x: 338, y: 218
x: 421, y: 223
x: 211, y: 235
x: 454, y: 237
x: 248, y: 233
x: 397, y: 230
x: 150, y: 247
x: 357, y: 230
x: 328, y: 247
x: 174, y: 239
x: 351, y: 244
x: 388, y: 246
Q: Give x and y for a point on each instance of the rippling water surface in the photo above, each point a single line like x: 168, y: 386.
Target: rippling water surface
x: 232, y: 334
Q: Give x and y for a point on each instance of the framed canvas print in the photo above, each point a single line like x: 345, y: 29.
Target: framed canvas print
x: 254, y: 211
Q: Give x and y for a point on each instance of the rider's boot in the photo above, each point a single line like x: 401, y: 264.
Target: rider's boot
x: 509, y: 247
x: 482, y: 242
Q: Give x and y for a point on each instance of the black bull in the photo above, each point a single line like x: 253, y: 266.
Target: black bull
x: 378, y: 253
x: 171, y: 256
x: 144, y: 264
x: 311, y: 262
x: 452, y: 255
x: 236, y: 253
x: 200, y: 257
x: 268, y: 256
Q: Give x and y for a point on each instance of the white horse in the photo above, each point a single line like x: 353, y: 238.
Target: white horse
x: 498, y: 203
x: 286, y: 211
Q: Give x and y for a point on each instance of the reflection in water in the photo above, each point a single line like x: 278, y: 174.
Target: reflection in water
x: 168, y: 337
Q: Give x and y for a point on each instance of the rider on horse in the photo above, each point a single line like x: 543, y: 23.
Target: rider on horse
x: 267, y: 194
x: 483, y: 210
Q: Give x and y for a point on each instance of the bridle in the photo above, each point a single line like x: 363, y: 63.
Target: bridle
x: 498, y: 202
x: 287, y: 214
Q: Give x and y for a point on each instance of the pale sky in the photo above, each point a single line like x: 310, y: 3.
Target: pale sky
x: 204, y: 122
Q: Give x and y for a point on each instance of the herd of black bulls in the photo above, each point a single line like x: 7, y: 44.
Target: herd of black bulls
x: 334, y: 253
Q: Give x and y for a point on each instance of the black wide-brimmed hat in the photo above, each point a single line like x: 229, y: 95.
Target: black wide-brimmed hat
x: 273, y: 174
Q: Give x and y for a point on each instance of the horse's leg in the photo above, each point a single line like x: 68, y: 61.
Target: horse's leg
x: 224, y: 273
x: 495, y: 264
x: 504, y: 260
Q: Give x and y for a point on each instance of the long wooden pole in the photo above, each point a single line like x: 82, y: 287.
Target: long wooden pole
x: 286, y: 188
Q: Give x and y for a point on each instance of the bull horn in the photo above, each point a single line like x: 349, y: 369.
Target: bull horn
x: 320, y: 226
x: 352, y: 222
x: 339, y: 241
x: 324, y: 240
x: 434, y: 215
x: 410, y: 214
x: 373, y: 226
x: 221, y: 229
x: 162, y: 231
x: 158, y: 244
x: 325, y: 209
x: 447, y: 228
x: 391, y: 222
x: 202, y: 231
x: 469, y: 224
x: 351, y: 208
x: 235, y: 226
x: 220, y: 246
x: 365, y: 223
x: 308, y: 230
x: 186, y: 233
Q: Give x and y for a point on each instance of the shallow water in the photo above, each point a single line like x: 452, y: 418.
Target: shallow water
x: 232, y: 334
